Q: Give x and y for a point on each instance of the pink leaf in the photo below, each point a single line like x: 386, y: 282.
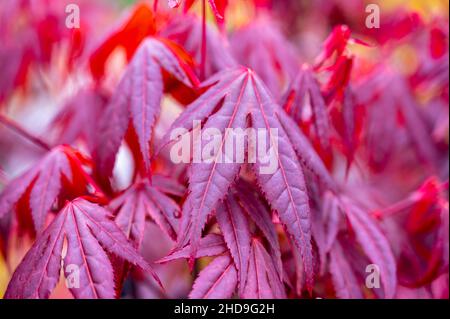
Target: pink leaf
x: 263, y: 281
x: 38, y: 273
x: 235, y: 229
x: 45, y: 182
x: 217, y: 281
x: 345, y: 282
x: 243, y: 94
x: 90, y: 234
x: 375, y: 245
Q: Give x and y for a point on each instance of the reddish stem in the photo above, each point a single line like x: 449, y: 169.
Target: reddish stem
x: 15, y: 127
x: 203, y: 53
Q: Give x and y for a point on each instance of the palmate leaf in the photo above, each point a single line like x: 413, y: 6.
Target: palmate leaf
x: 374, y: 244
x: 89, y: 232
x: 220, y: 278
x: 260, y: 45
x: 187, y: 32
x: 233, y: 216
x: 42, y: 184
x: 146, y: 199
x: 246, y: 104
x: 385, y: 93
x: 137, y: 100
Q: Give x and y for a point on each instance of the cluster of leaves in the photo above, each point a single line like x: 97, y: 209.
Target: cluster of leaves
x: 362, y: 162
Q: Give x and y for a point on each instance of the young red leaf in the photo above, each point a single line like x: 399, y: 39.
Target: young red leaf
x: 137, y: 100
x: 303, y: 90
x: 89, y: 232
x: 348, y: 120
x: 306, y: 153
x: 129, y: 34
x: 335, y: 46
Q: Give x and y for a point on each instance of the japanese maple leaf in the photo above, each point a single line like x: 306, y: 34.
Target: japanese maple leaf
x: 236, y: 230
x: 326, y: 224
x: 424, y: 232
x: 329, y: 223
x: 187, y: 32
x: 373, y: 242
x: 385, y: 92
x: 221, y: 277
x: 128, y: 34
x: 90, y: 233
x: 305, y: 91
x: 246, y: 104
x: 79, y: 116
x: 234, y: 216
x: 261, y: 46
x: 60, y: 172
x: 147, y: 199
x: 253, y: 205
x: 310, y: 160
x: 137, y: 100
x: 345, y: 282
x: 217, y: 281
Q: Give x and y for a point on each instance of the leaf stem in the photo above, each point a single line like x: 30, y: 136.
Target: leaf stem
x: 203, y: 53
